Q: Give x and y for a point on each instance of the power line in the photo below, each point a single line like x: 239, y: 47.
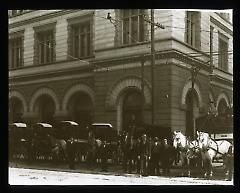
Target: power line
x: 157, y: 24
x: 88, y: 62
x: 162, y: 26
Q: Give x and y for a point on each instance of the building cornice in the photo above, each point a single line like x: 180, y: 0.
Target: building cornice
x: 165, y: 54
x: 49, y: 78
x: 156, y: 41
x: 41, y: 17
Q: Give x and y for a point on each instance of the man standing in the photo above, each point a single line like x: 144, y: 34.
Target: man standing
x: 103, y: 156
x: 155, y: 155
x: 71, y: 153
x: 166, y: 157
x: 144, y: 155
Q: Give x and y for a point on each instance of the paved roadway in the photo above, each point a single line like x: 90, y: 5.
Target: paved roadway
x: 26, y: 176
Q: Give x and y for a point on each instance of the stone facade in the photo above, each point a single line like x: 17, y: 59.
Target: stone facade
x: 113, y: 69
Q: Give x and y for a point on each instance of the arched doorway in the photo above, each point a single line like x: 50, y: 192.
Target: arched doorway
x: 45, y: 107
x: 222, y: 108
x: 189, y: 121
x: 132, y: 109
x: 80, y: 108
x: 15, y: 110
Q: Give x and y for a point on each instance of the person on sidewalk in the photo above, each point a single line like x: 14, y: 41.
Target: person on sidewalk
x: 104, y: 156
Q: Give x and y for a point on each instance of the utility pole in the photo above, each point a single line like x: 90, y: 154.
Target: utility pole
x: 153, y: 61
x: 211, y: 61
x: 194, y: 73
x: 192, y: 105
x: 142, y: 85
x: 212, y: 105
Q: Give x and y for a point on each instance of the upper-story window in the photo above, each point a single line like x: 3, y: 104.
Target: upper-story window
x: 15, y: 51
x: 192, y: 36
x: 44, y: 45
x: 133, y: 28
x: 223, y: 52
x: 15, y: 12
x: 80, y: 37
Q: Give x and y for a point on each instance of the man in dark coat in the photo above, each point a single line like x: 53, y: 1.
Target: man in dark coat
x: 144, y: 155
x: 92, y: 148
x: 166, y: 153
x: 229, y: 164
x: 155, y: 156
x: 103, y: 156
x: 71, y: 151
x: 138, y: 153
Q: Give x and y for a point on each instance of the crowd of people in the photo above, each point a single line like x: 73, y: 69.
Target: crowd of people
x: 143, y: 154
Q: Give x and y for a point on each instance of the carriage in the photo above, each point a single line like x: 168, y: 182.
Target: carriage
x: 19, y: 140
x: 41, y: 146
x: 76, y: 135
x: 104, y: 132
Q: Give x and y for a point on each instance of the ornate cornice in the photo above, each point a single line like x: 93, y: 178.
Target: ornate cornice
x: 166, y: 54
x: 41, y: 17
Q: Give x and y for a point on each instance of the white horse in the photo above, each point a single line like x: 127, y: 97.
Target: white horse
x: 189, y: 151
x: 211, y: 149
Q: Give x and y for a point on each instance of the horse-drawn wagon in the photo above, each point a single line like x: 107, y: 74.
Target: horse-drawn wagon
x: 76, y: 137
x: 19, y: 140
x: 42, y: 147
x: 105, y: 133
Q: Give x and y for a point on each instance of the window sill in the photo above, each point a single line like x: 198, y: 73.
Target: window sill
x: 132, y: 45
x: 82, y: 58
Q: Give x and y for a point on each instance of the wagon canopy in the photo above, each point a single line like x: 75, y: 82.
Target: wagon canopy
x: 43, y: 128
x: 68, y: 129
x: 104, y: 131
x: 23, y: 125
x: 69, y: 123
x: 215, y: 124
x: 18, y: 130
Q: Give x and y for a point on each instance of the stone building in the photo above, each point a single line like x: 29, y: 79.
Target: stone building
x: 85, y: 66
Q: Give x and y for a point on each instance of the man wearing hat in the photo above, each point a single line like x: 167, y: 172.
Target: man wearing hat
x: 144, y: 155
x: 155, y: 155
x: 166, y: 157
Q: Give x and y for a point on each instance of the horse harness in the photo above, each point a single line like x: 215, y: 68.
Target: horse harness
x: 216, y: 150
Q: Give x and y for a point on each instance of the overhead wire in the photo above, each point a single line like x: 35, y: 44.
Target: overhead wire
x: 193, y: 54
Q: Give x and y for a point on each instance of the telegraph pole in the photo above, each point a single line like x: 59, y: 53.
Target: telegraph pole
x: 153, y: 61
x: 211, y: 61
x: 194, y: 73
x: 142, y: 85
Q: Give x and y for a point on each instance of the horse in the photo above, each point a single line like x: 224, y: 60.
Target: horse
x: 58, y: 148
x: 211, y: 149
x: 48, y: 147
x: 189, y: 151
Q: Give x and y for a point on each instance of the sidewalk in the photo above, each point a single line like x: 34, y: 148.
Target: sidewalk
x: 175, y: 171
